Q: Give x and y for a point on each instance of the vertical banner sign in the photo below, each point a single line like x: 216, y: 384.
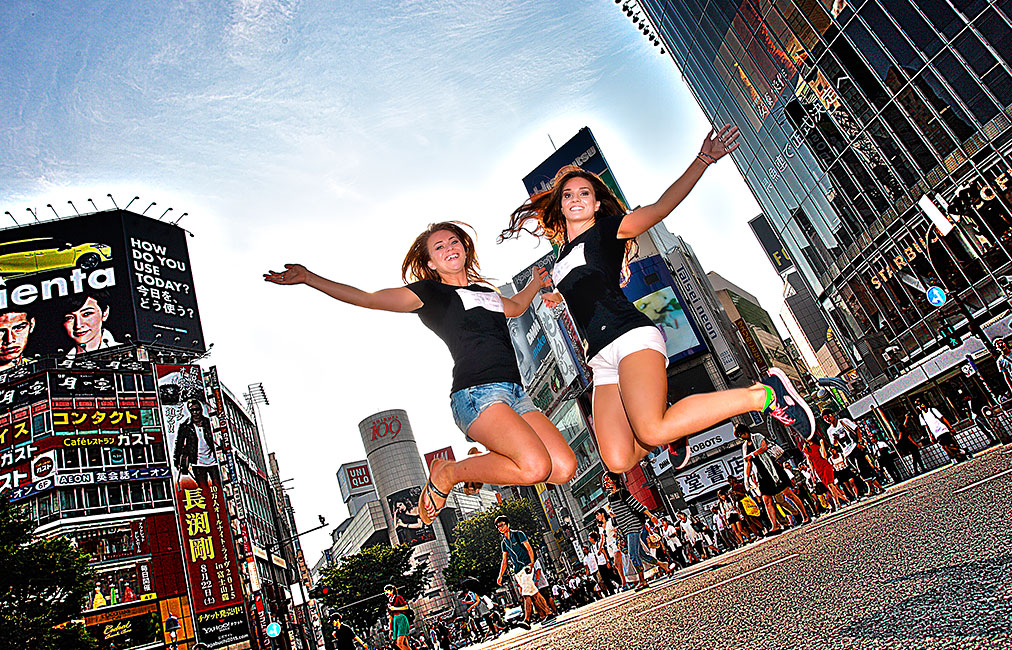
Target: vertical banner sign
x: 208, y: 549
x: 750, y: 344
x: 583, y: 151
x: 219, y: 422
x: 690, y: 288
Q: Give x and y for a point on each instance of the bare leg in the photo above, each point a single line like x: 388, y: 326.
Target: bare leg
x: 789, y: 493
x: 517, y: 452
x: 619, y: 448
x: 654, y: 423
x: 771, y: 512
x: 619, y: 566
x: 563, y: 458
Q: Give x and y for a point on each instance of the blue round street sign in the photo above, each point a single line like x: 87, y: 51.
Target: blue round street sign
x: 273, y: 629
x: 936, y: 296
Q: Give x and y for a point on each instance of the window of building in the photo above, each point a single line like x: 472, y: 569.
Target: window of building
x: 969, y: 91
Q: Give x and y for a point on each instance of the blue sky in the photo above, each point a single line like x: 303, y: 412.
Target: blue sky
x: 330, y: 134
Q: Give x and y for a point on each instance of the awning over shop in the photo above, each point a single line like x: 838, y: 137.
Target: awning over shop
x: 932, y: 368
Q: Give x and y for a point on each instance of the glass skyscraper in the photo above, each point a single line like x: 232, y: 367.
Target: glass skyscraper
x: 850, y: 112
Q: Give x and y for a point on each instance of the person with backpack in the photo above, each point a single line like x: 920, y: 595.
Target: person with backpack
x: 846, y: 434
x: 518, y: 557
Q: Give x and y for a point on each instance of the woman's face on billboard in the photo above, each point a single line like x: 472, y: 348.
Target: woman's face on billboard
x: 84, y: 324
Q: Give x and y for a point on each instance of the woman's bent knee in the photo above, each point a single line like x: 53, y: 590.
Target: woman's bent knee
x: 536, y: 469
x: 564, y: 468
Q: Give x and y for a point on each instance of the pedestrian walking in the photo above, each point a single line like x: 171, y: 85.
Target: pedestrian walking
x: 751, y: 515
x: 1004, y: 362
x: 817, y: 457
x: 722, y: 528
x: 595, y: 236
x: 545, y: 587
x: 940, y: 431
x: 629, y: 515
x: 732, y: 517
x: 488, y: 402
x: 344, y: 637
x: 692, y: 540
x: 770, y: 475
x: 397, y: 619
x: 611, y: 536
x: 846, y: 434
x: 908, y: 445
x: 518, y: 557
x: 845, y: 475
x: 610, y: 580
x: 592, y: 566
x: 887, y: 458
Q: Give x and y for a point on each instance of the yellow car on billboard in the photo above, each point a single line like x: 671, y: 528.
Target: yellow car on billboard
x: 25, y: 256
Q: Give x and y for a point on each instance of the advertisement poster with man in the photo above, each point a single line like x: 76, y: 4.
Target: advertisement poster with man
x: 209, y: 554
x: 73, y: 286
x: 404, y: 514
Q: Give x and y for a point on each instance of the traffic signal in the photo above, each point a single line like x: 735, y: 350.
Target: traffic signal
x: 319, y: 592
x: 949, y: 336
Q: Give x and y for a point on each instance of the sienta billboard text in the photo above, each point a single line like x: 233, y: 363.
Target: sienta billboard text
x: 72, y: 286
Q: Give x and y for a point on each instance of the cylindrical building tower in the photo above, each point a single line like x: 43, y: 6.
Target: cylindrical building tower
x: 399, y: 475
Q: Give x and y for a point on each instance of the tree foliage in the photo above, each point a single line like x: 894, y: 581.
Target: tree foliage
x: 476, y: 550
x: 43, y: 583
x: 363, y: 576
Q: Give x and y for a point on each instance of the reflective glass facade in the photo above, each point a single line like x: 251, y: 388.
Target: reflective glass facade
x: 850, y: 112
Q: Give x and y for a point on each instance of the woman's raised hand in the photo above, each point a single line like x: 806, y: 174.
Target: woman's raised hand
x: 293, y: 274
x: 552, y: 300
x: 724, y: 142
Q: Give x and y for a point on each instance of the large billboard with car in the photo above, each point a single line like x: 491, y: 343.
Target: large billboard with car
x: 77, y: 285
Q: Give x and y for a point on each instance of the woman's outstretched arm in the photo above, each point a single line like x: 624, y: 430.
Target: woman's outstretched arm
x: 642, y: 219
x: 398, y: 299
x: 519, y: 303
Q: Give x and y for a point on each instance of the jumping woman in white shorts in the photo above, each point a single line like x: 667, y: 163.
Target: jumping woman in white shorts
x: 596, y: 238
x: 489, y: 403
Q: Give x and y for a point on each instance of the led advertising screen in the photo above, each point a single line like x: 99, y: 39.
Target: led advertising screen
x: 209, y: 556
x: 72, y: 286
x: 404, y: 512
x: 652, y: 289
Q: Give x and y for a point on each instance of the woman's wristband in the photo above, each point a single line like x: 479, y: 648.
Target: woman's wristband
x: 706, y: 158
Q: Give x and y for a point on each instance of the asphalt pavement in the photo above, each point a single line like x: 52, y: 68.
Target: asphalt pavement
x: 928, y: 564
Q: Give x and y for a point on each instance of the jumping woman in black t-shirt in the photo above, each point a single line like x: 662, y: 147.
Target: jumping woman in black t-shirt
x: 596, y: 238
x: 488, y: 401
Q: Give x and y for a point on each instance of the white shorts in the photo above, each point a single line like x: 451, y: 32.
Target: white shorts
x: 605, y: 363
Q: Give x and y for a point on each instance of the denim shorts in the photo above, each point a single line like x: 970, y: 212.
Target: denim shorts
x: 468, y: 403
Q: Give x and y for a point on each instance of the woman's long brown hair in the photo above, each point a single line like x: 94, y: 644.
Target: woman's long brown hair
x: 416, y: 263
x: 542, y: 215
